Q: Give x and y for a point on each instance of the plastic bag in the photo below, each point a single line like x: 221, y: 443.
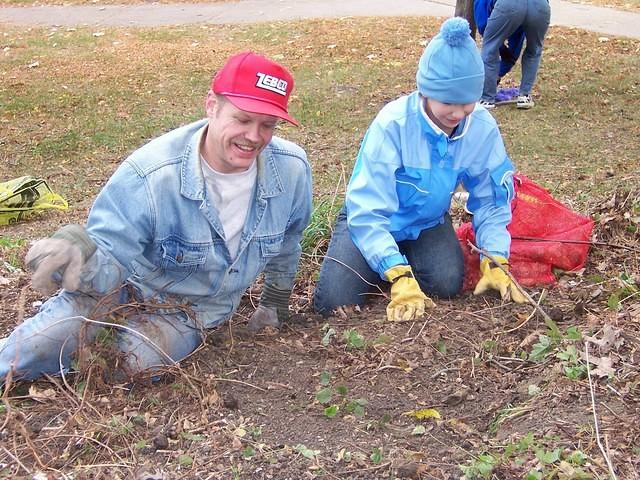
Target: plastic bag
x: 23, y: 196
x: 536, y: 215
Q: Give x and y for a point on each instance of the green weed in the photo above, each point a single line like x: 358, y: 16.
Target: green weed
x: 554, y: 462
x: 306, y: 452
x: 11, y: 251
x: 480, y: 468
x: 376, y: 456
x: 327, y: 394
x: 354, y: 340
x: 316, y: 236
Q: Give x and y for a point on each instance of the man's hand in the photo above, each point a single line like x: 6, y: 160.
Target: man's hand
x: 407, y: 299
x: 273, y: 309
x: 65, y: 254
x: 264, y: 317
x: 494, y: 278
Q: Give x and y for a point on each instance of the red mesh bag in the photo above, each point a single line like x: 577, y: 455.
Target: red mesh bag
x: 538, y: 219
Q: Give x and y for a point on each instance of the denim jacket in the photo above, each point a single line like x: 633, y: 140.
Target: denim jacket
x: 405, y: 175
x: 156, y: 229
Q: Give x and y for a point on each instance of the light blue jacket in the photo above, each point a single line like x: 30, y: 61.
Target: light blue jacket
x: 405, y: 175
x: 156, y: 229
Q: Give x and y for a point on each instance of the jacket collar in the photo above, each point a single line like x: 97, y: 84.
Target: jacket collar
x: 192, y: 183
x: 431, y: 129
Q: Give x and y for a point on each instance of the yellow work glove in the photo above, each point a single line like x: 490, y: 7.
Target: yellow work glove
x: 407, y: 300
x: 494, y: 278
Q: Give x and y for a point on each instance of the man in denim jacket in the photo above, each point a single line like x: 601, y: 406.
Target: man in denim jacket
x: 187, y: 222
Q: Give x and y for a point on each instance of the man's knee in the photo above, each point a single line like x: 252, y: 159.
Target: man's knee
x: 151, y: 341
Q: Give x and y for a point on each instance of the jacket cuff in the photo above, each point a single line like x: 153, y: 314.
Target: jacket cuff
x: 278, y: 298
x: 77, y: 235
x: 391, y: 261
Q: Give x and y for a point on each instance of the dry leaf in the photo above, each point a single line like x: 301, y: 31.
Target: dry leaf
x: 41, y: 396
x: 145, y: 473
x: 411, y: 470
x: 236, y: 444
x: 456, y: 397
x: 610, y: 338
x: 604, y: 365
x: 423, y: 413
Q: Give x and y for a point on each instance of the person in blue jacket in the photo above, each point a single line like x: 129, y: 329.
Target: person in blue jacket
x: 395, y: 225
x: 504, y: 25
x: 176, y: 236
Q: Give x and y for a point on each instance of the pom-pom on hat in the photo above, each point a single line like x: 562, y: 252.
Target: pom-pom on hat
x: 451, y: 69
x: 254, y: 83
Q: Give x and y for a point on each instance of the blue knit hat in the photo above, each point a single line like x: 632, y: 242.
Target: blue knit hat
x: 451, y: 69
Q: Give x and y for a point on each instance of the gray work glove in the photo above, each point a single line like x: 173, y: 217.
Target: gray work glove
x: 58, y: 260
x: 273, y: 309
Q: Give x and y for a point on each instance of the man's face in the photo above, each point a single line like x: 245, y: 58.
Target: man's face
x: 235, y: 137
x: 447, y: 116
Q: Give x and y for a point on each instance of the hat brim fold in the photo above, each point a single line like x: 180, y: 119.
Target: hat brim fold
x: 254, y: 105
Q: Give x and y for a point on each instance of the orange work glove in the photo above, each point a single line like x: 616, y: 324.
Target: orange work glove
x: 407, y: 300
x: 494, y: 278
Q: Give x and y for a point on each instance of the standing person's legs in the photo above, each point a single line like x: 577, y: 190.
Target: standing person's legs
x: 535, y: 28
x: 345, y: 276
x: 506, y: 17
x: 45, y: 343
x: 437, y: 260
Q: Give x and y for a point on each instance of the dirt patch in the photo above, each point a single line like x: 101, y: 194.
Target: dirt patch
x: 340, y: 397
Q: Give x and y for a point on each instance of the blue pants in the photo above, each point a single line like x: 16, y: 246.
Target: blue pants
x: 47, y: 342
x: 346, y: 278
x: 505, y: 18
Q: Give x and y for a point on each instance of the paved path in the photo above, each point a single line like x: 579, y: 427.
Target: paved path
x: 597, y: 19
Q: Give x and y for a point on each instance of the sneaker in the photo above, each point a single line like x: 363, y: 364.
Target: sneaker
x: 524, y: 102
x: 487, y: 104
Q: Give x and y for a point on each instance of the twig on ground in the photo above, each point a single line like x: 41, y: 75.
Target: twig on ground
x: 595, y: 415
x: 444, y: 370
x: 424, y: 324
x: 231, y: 380
x: 582, y: 242
x: 547, y: 319
x: 17, y: 460
x: 22, y: 299
x: 369, y: 469
x: 522, y: 324
x: 62, y: 368
x: 27, y: 439
x: 8, y: 381
x: 103, y: 445
x: 356, y: 273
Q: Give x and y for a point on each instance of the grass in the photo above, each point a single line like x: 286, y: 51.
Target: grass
x: 78, y: 100
x: 11, y: 251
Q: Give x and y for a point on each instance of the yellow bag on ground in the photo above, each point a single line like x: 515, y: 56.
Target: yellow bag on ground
x: 23, y: 196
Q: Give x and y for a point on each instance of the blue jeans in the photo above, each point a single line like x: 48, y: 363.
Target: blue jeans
x: 505, y: 18
x: 47, y: 342
x: 346, y: 278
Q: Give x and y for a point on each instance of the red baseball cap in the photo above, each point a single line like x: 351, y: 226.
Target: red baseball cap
x: 254, y: 83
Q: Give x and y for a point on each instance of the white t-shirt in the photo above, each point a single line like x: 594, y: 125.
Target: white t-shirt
x: 231, y: 196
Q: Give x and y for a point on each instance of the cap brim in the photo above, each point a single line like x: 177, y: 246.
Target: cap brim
x: 257, y: 106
